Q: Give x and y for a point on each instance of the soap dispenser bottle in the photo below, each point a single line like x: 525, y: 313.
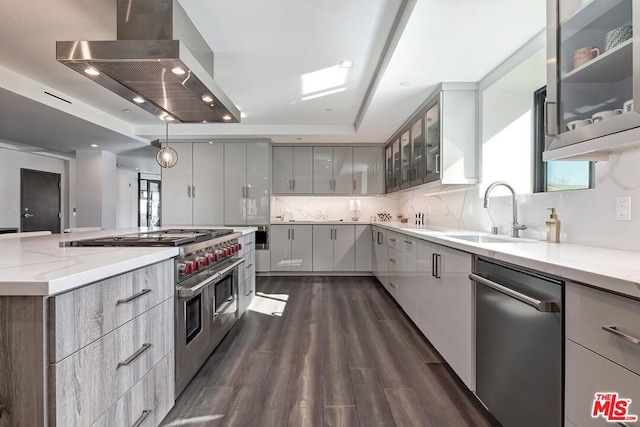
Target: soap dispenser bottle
x: 553, y: 227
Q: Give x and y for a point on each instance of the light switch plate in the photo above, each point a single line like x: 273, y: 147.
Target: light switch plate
x: 623, y: 208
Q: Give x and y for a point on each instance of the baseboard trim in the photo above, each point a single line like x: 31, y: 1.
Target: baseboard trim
x: 313, y: 273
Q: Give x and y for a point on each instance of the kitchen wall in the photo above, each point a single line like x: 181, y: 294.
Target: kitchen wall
x: 96, y: 189
x: 127, y: 199
x: 305, y: 208
x: 11, y: 162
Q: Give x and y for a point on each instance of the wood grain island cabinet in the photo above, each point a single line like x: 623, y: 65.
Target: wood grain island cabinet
x: 101, y: 354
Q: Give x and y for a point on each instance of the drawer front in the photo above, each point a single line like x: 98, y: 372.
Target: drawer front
x: 79, y: 317
x: 587, y: 373
x: 148, y: 402
x: 249, y: 265
x: 588, y: 310
x: 88, y: 382
x: 395, y: 240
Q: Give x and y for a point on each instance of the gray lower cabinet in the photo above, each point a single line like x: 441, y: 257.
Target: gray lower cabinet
x: 246, y: 274
x: 291, y: 248
x: 108, y: 356
x: 364, y: 247
x: 148, y: 401
x: 334, y: 248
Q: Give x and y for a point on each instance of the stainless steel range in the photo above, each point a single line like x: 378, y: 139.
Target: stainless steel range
x: 206, y: 288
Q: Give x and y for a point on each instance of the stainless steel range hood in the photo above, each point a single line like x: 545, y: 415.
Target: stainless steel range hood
x: 159, y: 62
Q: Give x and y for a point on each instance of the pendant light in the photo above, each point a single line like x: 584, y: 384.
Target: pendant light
x: 167, y: 156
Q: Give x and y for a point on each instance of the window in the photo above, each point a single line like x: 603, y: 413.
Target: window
x: 555, y: 175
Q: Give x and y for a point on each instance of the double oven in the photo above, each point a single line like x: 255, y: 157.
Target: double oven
x: 206, y: 309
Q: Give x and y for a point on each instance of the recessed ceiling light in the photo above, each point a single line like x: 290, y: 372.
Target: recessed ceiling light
x: 210, y: 142
x: 168, y: 118
x: 204, y: 121
x: 207, y: 98
x: 346, y: 63
x: 94, y: 145
x: 138, y: 100
x: 404, y: 84
x: 226, y: 117
x: 92, y: 71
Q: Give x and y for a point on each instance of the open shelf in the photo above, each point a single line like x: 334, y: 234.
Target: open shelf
x: 589, y: 13
x: 612, y: 66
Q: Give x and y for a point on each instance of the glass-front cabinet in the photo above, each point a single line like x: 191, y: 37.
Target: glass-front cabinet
x: 418, y: 167
x: 593, y: 79
x: 406, y: 157
x: 437, y: 144
x: 432, y: 126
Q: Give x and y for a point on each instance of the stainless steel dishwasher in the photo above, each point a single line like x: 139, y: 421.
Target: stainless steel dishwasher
x: 519, y: 344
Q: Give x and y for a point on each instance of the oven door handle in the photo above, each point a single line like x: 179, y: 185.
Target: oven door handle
x: 215, y: 277
x: 236, y: 262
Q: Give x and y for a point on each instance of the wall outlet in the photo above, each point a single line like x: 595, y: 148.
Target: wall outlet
x: 623, y: 208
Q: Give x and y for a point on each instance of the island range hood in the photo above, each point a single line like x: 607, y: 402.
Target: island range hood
x: 159, y: 62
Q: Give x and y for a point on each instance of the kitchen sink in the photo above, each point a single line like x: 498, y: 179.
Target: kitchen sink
x: 475, y: 238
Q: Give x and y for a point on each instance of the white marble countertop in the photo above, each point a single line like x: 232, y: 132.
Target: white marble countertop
x: 40, y: 266
x: 608, y: 269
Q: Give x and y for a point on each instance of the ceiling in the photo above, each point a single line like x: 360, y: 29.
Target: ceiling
x: 278, y: 61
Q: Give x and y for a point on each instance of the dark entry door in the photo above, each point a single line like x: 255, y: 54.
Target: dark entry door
x: 39, y: 201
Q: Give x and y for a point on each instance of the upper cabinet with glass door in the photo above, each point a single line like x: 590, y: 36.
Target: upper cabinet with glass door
x: 438, y: 144
x: 592, y: 79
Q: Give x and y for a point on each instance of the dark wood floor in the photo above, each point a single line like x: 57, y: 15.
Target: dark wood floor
x: 325, y: 351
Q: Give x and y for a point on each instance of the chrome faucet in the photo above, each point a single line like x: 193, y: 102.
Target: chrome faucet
x: 515, y: 227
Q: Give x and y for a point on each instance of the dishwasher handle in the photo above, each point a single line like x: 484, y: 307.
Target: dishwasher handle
x: 542, y: 306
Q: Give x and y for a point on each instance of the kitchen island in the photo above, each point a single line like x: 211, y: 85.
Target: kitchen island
x: 86, y: 333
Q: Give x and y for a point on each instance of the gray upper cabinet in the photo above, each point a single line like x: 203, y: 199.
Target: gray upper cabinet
x: 293, y: 170
x: 333, y: 170
x: 592, y: 77
x: 368, y: 170
x: 438, y: 144
x: 246, y: 183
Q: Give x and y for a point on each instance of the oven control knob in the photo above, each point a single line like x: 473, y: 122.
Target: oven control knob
x: 227, y: 251
x: 188, y: 268
x: 196, y: 265
x: 201, y: 261
x: 239, y: 246
x: 182, y: 268
x: 208, y: 258
x: 214, y: 257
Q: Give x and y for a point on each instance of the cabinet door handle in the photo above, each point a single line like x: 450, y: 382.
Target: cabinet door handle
x: 243, y: 192
x: 335, y: 234
x: 354, y: 185
x: 547, y: 116
x: 142, y: 417
x: 248, y: 266
x: 250, y: 292
x: 433, y: 265
x: 616, y: 331
x: 248, y: 188
x: 193, y: 191
x: 392, y: 240
x: 188, y: 191
x: 134, y: 356
x: 373, y: 235
x: 289, y: 234
x: 438, y: 266
x: 392, y: 260
x: 294, y: 185
x: 133, y: 297
x: 408, y: 242
x: 393, y: 286
x: 290, y: 185
x: 437, y: 163
x: 380, y: 237
x: 293, y: 234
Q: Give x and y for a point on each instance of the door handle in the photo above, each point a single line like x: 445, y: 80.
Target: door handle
x: 547, y: 116
x: 616, y: 331
x: 28, y: 215
x: 542, y: 306
x: 188, y: 191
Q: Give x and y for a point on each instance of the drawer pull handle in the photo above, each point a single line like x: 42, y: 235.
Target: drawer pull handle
x: 615, y: 331
x: 392, y: 240
x: 408, y: 242
x: 393, y: 286
x: 134, y: 356
x: 248, y: 266
x: 134, y: 296
x: 250, y: 292
x: 143, y: 417
x: 392, y: 260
